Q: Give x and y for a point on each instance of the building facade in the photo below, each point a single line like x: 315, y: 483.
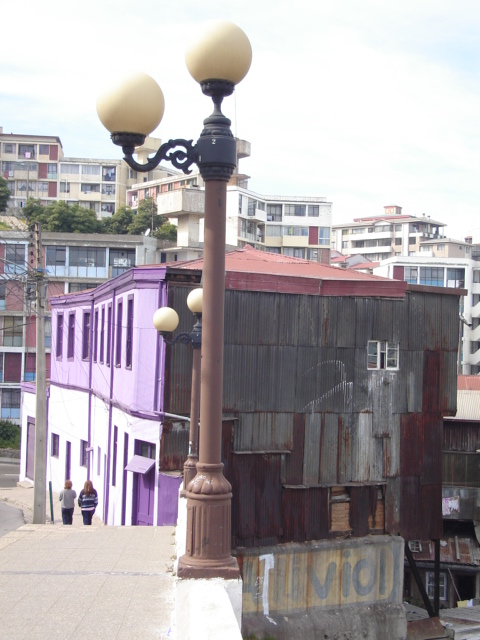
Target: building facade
x: 72, y: 262
x: 332, y: 379
x: 390, y: 235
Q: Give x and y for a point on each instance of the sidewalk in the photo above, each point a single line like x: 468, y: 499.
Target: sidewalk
x: 76, y: 582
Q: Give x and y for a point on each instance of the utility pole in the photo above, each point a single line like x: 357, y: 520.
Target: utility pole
x: 40, y: 470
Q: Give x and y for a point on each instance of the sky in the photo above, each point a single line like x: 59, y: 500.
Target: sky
x: 364, y: 102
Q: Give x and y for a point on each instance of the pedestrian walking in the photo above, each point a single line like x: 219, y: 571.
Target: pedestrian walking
x: 67, y: 500
x: 87, y: 501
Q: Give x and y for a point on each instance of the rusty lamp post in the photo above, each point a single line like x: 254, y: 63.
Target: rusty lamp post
x: 218, y: 60
x: 165, y: 321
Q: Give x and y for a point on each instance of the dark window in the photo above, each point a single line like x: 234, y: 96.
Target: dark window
x: 55, y: 256
x: 44, y: 149
x: 109, y: 334
x: 456, y: 278
x: 55, y: 445
x: 295, y: 209
x: 86, y: 336
x: 12, y: 331
x: 83, y: 453
x: 118, y: 337
x: 15, y: 258
x: 95, y: 336
x: 59, y: 346
x: 313, y: 210
x: 121, y: 260
x: 274, y: 212
x: 87, y: 257
x: 73, y: 287
x: 102, y: 335
x: 129, y: 340
x: 114, y: 457
x: 71, y: 336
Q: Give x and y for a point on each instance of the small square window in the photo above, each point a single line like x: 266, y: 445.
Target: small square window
x: 415, y: 546
x: 382, y: 355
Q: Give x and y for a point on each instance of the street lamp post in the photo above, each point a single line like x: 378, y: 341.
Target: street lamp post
x: 165, y: 321
x: 218, y: 60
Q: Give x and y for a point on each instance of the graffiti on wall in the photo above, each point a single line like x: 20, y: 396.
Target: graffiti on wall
x: 323, y: 574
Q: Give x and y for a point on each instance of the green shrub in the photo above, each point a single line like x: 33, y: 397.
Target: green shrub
x: 9, y: 435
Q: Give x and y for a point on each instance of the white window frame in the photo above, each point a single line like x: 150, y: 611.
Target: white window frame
x: 430, y: 585
x: 383, y: 355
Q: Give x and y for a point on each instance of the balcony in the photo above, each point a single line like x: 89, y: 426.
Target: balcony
x: 180, y: 202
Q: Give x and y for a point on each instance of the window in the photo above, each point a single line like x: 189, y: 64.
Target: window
x: 73, y: 287
x: 415, y: 546
x: 15, y: 258
x: 295, y: 209
x: 55, y: 260
x: 83, y: 453
x: 382, y: 355
x: 411, y: 275
x: 109, y: 174
x: 118, y: 337
x: 252, y: 205
x: 358, y: 230
x: 90, y: 169
x: 59, y: 345
x: 295, y: 231
x: 71, y: 335
x: 398, y: 242
x: 294, y: 252
x: 30, y: 367
x: 95, y: 336
x: 120, y: 260
x: 44, y: 149
x: 456, y: 278
x: 86, y: 336
x: 313, y: 210
x: 48, y: 333
x: 11, y: 403
x: 432, y: 276
x: 12, y: 331
x: 109, y: 334
x: 26, y: 150
x: 102, y: 335
x: 73, y: 169
x: 274, y: 212
x: 430, y: 585
x: 273, y: 230
x: 89, y: 188
x: 108, y: 189
x: 2, y: 295
x: 83, y: 257
x: 129, y: 338
x: 324, y: 236
x: 114, y: 457
x: 55, y: 445
x: 52, y: 171
x: 9, y: 147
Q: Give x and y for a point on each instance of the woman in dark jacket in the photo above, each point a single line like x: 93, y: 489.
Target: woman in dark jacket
x: 87, y: 501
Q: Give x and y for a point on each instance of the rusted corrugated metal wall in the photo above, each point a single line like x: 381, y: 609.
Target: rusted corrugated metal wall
x: 320, y: 442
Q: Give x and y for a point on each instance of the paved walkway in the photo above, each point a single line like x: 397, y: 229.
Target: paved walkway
x: 76, y: 582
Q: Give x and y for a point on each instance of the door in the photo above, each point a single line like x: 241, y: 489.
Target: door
x: 144, y: 487
x: 68, y: 460
x: 30, y: 462
x: 144, y: 491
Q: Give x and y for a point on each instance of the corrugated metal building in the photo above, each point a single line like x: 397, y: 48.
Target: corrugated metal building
x: 335, y: 387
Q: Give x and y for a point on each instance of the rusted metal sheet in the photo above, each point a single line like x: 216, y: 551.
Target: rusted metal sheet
x: 263, y: 432
x: 342, y: 461
x: 431, y: 379
x: 416, y: 321
x: 433, y: 322
x: 256, y: 503
x: 305, y: 514
x: 448, y: 383
x: 293, y: 466
x: 428, y: 629
x: 174, y: 447
x: 461, y: 436
x: 391, y: 450
x: 432, y: 449
x: 461, y: 468
x: 329, y: 450
x: 365, y: 311
x: 311, y: 452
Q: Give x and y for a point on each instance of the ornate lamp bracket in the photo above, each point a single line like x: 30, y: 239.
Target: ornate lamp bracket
x: 181, y: 158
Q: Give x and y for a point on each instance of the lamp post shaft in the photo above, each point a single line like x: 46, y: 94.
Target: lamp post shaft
x: 190, y: 466
x: 209, y: 494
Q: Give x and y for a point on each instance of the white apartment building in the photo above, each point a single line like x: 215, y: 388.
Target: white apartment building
x: 36, y: 167
x: 386, y: 236
x: 297, y: 226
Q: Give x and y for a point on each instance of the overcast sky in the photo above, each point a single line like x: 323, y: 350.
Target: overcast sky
x: 364, y: 102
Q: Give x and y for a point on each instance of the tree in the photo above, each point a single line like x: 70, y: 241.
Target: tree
x: 119, y: 222
x: 62, y: 217
x: 167, y: 231
x: 4, y: 195
x: 146, y: 218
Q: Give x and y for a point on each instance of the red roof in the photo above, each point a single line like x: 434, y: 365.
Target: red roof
x: 250, y: 269
x: 468, y: 383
